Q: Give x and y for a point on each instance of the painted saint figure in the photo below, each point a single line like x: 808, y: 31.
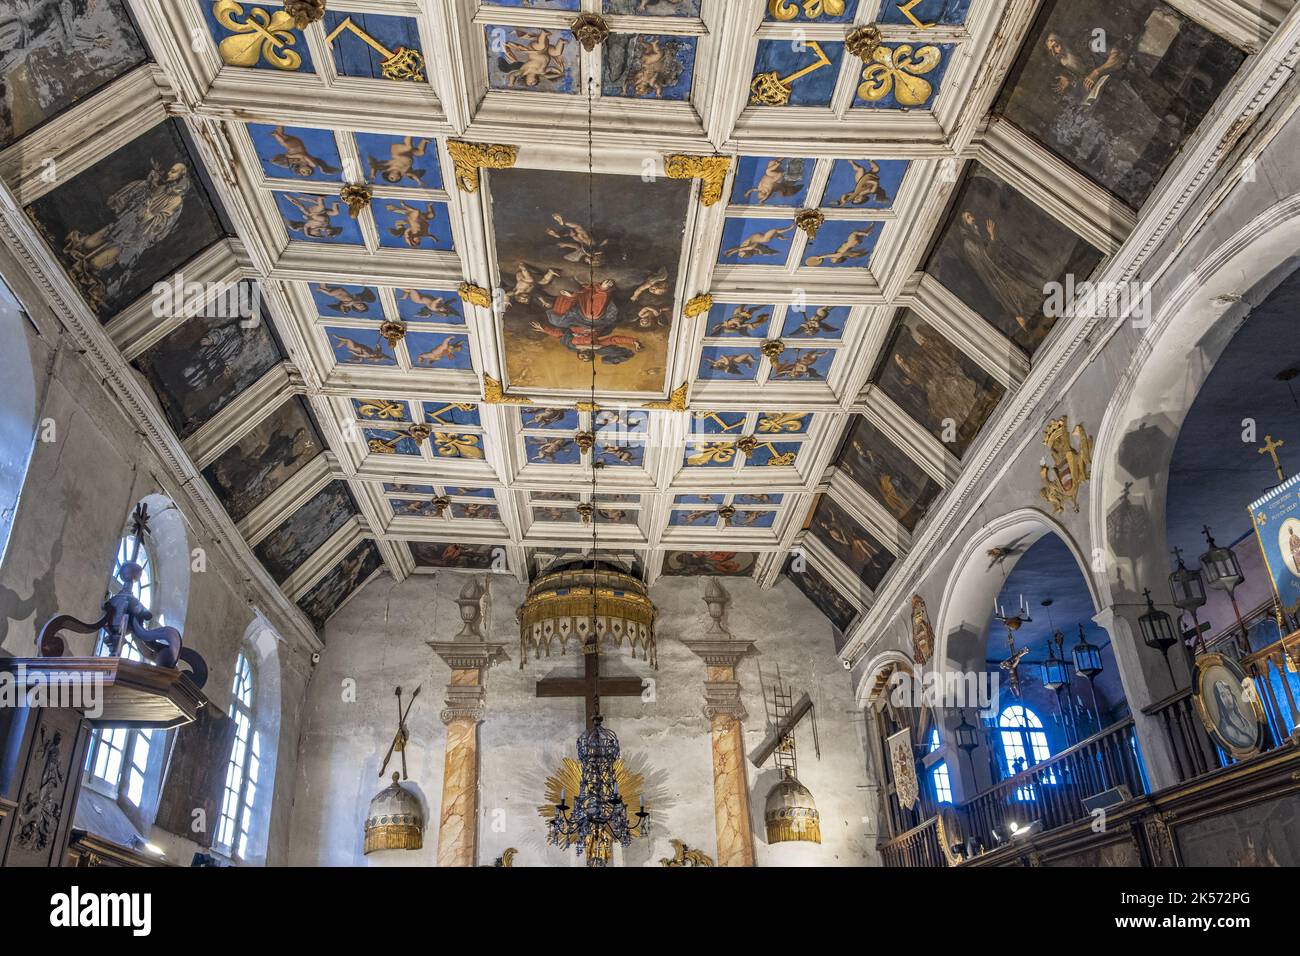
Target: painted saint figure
x: 146, y: 211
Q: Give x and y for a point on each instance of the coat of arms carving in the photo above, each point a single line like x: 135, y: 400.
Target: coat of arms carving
x: 1071, y: 463
x: 922, y: 632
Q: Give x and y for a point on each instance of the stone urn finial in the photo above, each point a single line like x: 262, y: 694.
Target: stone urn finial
x: 471, y: 610
x: 717, y: 599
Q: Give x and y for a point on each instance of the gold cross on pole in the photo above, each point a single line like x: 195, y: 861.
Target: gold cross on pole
x: 1270, y: 448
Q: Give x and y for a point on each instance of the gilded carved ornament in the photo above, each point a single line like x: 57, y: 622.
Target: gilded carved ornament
x: 469, y: 158
x: 711, y: 171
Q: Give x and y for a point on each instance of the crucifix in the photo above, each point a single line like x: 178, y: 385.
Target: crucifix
x: 1270, y: 448
x: 590, y: 686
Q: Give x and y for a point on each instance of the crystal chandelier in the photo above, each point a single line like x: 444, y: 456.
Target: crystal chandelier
x: 598, y: 818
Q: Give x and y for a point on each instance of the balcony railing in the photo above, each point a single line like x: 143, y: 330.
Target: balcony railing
x: 1271, y: 670
x: 918, y: 847
x: 1050, y: 793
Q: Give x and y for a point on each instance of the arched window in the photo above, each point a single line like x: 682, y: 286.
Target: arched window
x: 241, y: 774
x: 1024, y: 744
x: 117, y: 759
x: 939, y: 778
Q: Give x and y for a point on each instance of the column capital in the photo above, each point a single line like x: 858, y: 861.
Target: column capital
x: 720, y: 652
x: 469, y: 655
x: 722, y: 699
x: 469, y: 661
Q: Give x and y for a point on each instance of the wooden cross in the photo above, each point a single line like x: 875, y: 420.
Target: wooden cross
x: 590, y: 686
x: 1270, y: 448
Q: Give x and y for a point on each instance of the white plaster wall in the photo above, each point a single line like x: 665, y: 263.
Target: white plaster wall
x: 378, y: 640
x: 76, y: 498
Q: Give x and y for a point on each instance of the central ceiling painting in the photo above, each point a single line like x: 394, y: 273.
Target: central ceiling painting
x: 589, y: 269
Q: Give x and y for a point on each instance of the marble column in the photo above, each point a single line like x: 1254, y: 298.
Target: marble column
x: 470, y: 658
x: 721, y: 654
x: 730, y: 785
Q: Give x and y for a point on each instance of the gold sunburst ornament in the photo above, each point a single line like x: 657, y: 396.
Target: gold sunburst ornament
x: 604, y: 776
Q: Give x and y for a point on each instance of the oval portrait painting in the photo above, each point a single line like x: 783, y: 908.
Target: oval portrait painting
x: 1228, y: 705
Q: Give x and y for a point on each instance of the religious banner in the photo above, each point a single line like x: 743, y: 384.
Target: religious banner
x: 903, y: 763
x: 1276, y: 517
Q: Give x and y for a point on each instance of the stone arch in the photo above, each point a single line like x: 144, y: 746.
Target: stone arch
x: 962, y: 624
x: 877, y: 672
x: 1137, y: 435
x: 961, y: 632
x: 169, y: 546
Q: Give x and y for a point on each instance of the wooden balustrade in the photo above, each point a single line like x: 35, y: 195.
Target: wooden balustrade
x: 1194, y: 753
x: 1052, y: 792
x: 918, y: 847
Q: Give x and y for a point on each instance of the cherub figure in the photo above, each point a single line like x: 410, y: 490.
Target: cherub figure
x: 415, y: 225
x: 401, y: 162
x: 317, y: 217
x: 346, y: 302
x: 534, y: 61
x: 851, y: 248
x: 741, y: 320
x: 731, y: 364
x: 866, y: 185
x: 443, y: 352
x: 297, y: 157
x: 760, y: 243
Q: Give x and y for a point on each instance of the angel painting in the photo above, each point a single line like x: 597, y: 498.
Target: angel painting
x: 647, y: 67
x: 539, y: 59
x: 317, y: 216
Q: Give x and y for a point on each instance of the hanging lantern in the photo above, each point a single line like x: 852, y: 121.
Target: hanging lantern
x: 1186, y: 586
x: 395, y: 820
x: 790, y: 813
x: 1087, y: 657
x: 1158, y: 630
x: 1220, y: 566
x: 572, y: 597
x: 967, y: 735
x: 1056, y: 670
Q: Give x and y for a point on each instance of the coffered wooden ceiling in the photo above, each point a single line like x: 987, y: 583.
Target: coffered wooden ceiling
x: 797, y: 333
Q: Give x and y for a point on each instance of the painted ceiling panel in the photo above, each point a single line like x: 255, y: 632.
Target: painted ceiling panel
x: 884, y: 472
x: 57, y: 52
x: 998, y: 252
x: 860, y: 551
x: 296, y: 539
x: 1119, y: 114
x: 576, y: 289
x: 130, y: 220
x: 328, y: 595
x: 839, y: 610
x: 445, y: 338
x: 204, y: 364
x: 934, y: 382
x: 248, y: 472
